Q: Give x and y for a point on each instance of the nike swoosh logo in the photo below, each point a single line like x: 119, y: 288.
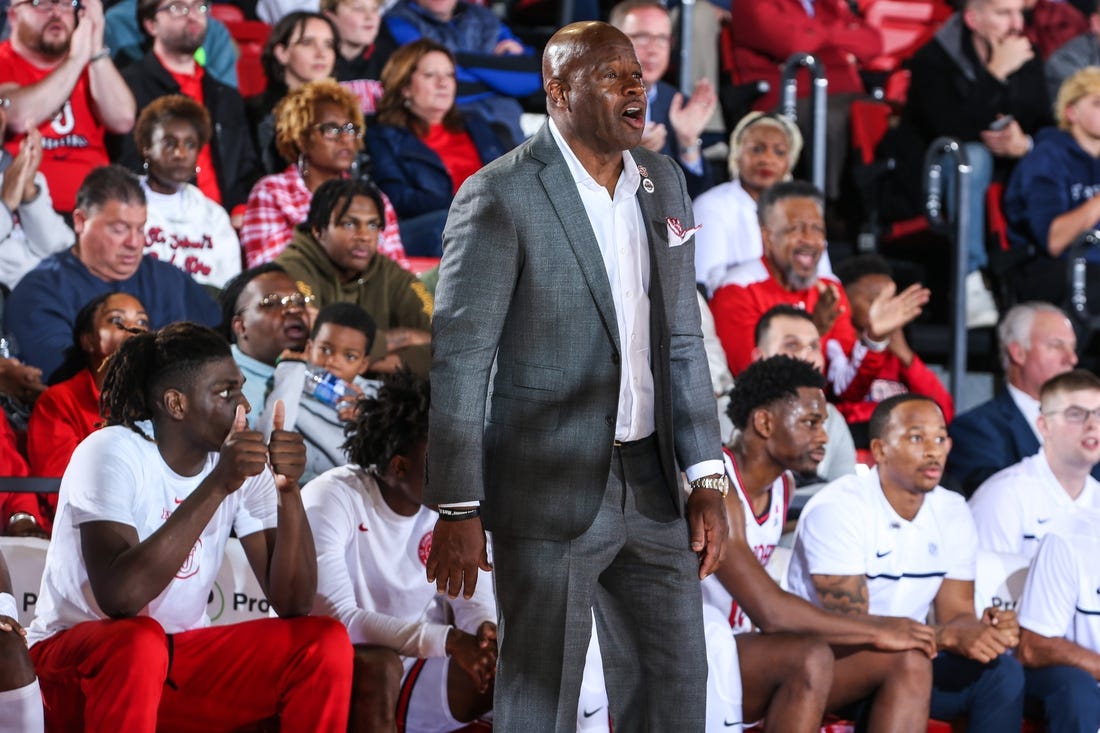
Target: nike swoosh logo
x: 363, y: 528
x: 728, y: 724
x: 1043, y: 521
x: 883, y: 554
x: 589, y: 714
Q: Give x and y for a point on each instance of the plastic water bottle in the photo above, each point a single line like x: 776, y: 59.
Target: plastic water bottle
x: 324, y: 386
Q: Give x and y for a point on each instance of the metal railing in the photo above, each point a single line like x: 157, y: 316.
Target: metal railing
x: 941, y: 217
x: 788, y: 89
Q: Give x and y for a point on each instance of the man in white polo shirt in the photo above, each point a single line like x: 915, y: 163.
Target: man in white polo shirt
x: 1060, y: 624
x: 1014, y: 508
x: 896, y: 543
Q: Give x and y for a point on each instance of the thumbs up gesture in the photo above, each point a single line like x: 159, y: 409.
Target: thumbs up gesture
x: 286, y: 451
x: 243, y: 454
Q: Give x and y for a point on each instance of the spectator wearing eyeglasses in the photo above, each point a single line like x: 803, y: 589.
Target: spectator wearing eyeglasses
x: 1013, y: 509
x: 59, y: 77
x: 333, y: 257
x: 319, y: 132
x: 109, y: 219
x: 227, y: 165
x: 300, y: 49
x: 674, y: 122
x: 263, y: 315
x: 423, y: 148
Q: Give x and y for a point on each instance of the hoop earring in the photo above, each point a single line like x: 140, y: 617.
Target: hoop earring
x: 302, y: 167
x: 145, y: 167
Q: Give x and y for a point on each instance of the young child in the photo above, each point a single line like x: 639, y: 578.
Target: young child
x: 121, y: 640
x: 421, y: 663
x: 339, y: 343
x: 864, y: 278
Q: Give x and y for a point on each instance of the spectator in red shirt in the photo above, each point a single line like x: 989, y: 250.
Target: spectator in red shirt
x: 59, y: 77
x: 902, y: 371
x: 792, y: 223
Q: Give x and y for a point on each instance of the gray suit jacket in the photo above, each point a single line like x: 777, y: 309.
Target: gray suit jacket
x: 526, y: 353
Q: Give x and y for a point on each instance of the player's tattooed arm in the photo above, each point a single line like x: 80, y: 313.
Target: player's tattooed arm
x: 844, y: 594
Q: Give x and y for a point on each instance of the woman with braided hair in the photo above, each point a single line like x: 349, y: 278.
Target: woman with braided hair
x: 121, y: 640
x: 414, y: 669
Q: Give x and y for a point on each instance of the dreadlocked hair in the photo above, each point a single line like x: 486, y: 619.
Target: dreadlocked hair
x: 391, y: 423
x: 147, y: 364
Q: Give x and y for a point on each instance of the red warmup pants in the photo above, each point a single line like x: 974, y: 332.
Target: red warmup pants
x: 128, y: 675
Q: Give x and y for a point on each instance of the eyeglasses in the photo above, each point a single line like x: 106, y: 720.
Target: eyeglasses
x: 45, y: 6
x: 651, y: 39
x: 181, y: 9
x: 1075, y: 415
x: 332, y: 131
x: 271, y: 301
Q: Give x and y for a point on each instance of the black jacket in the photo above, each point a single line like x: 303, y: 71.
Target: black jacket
x: 232, y: 147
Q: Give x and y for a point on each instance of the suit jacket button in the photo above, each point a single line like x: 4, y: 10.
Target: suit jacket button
x: 610, y: 420
x: 614, y: 358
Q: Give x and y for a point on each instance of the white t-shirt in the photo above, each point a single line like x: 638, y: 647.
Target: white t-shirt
x: 116, y: 475
x: 849, y: 528
x: 371, y: 568
x: 1013, y: 508
x: 190, y: 231
x: 1062, y: 594
x: 762, y: 534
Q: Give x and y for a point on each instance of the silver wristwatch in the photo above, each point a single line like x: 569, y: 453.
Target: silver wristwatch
x: 715, y: 482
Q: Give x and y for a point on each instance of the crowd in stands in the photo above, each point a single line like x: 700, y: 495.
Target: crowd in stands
x: 212, y: 301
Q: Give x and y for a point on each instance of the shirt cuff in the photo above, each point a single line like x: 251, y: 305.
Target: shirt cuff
x: 8, y: 606
x: 705, y: 468
x: 872, y: 345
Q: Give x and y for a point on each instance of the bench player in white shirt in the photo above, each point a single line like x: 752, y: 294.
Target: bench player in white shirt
x: 782, y: 674
x: 895, y: 542
x: 121, y: 640
x: 20, y: 698
x: 1060, y: 624
x: 416, y: 670
x: 1013, y: 509
x: 1059, y: 620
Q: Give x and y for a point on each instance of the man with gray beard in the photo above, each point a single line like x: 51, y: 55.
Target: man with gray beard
x: 792, y: 226
x: 53, y: 69
x: 227, y: 165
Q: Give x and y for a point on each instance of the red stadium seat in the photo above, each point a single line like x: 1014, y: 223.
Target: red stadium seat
x: 905, y: 25
x: 250, y: 37
x: 226, y: 13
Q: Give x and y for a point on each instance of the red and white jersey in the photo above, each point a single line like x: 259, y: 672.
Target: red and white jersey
x: 762, y: 532
x: 1062, y: 595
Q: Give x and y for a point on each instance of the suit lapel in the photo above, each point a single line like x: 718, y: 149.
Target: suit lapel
x: 561, y: 191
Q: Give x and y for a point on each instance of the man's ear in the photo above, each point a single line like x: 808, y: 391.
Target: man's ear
x: 878, y: 450
x: 236, y: 324
x: 149, y: 25
x: 557, y: 91
x: 80, y: 218
x: 762, y: 421
x: 1017, y: 354
x: 399, y: 467
x: 174, y: 403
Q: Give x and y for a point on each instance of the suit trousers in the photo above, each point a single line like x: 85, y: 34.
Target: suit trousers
x: 635, y: 567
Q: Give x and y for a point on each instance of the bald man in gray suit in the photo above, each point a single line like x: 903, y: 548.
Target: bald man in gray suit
x: 569, y: 388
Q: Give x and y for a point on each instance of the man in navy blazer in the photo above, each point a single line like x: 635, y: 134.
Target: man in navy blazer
x: 569, y: 389
x: 1037, y: 342
x: 674, y: 123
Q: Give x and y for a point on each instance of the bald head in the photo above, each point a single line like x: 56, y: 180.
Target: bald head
x: 594, y: 90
